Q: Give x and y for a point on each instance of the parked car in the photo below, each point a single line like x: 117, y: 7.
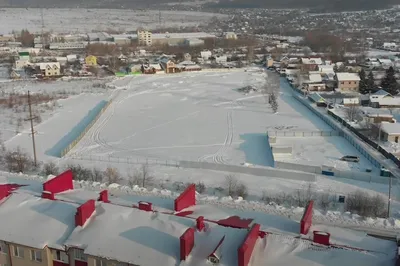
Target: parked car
x: 350, y: 158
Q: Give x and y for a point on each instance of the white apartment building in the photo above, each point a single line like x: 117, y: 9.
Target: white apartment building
x: 144, y: 37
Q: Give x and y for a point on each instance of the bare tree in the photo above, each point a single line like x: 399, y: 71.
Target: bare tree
x: 50, y: 169
x: 353, y: 113
x: 141, y: 177
x: 98, y: 175
x: 112, y: 175
x: 200, y: 187
x: 17, y: 161
x: 273, y: 102
x: 242, y: 190
x: 230, y: 185
x: 19, y: 125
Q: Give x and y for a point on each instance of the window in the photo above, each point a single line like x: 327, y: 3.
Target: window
x: 101, y: 262
x: 342, y: 82
x: 60, y: 256
x: 3, y: 247
x: 18, y: 252
x: 79, y: 255
x: 36, y: 255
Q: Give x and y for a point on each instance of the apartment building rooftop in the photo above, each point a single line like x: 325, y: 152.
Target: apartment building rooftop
x: 31, y: 221
x: 146, y: 230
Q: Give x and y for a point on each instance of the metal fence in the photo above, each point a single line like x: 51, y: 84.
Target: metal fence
x: 303, y: 133
x: 83, y: 132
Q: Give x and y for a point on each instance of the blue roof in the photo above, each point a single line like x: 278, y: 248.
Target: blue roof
x: 381, y: 93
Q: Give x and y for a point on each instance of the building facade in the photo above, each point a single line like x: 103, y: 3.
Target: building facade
x: 348, y: 81
x: 144, y: 38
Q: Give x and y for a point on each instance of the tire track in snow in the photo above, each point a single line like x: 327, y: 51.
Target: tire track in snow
x: 218, y: 157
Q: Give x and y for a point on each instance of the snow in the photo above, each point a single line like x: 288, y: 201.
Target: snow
x: 139, y: 237
x: 131, y: 235
x: 49, y: 132
x: 192, y: 116
x: 66, y: 20
x: 391, y: 128
x: 347, y: 77
x: 49, y: 222
x: 323, y: 151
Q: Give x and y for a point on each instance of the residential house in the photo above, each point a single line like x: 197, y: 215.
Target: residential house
x: 20, y: 64
x: 351, y: 101
x: 382, y: 98
x: 269, y: 61
x: 205, y: 54
x: 91, y: 60
x: 193, y: 42
x: 390, y: 132
x: 168, y: 65
x: 188, y: 66
x: 314, y: 82
x: 325, y: 69
x: 389, y: 46
x: 379, y: 118
x: 230, y: 36
x: 71, y: 58
x: 62, y: 60
x: 50, y: 69
x: 221, y: 59
x: 317, y: 99
x: 385, y: 63
x: 310, y: 64
x: 347, y: 81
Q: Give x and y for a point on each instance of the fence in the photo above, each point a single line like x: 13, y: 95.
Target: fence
x: 360, y: 176
x: 265, y: 172
x: 113, y: 159
x: 303, y: 133
x: 357, y: 144
x: 69, y: 141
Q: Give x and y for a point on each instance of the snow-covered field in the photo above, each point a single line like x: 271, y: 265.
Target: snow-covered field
x: 87, y: 20
x: 58, y: 93
x: 193, y: 116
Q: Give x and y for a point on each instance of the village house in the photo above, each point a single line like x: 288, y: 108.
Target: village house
x: 347, y: 81
x: 230, y: 35
x: 390, y: 132
x: 379, y: 118
x: 351, y: 102
x: 168, y: 65
x: 91, y: 60
x: 382, y: 98
x: 310, y: 64
x: 188, y: 66
x: 50, y: 69
x: 313, y: 82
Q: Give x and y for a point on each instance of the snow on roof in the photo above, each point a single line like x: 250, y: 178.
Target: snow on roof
x: 315, y: 78
x: 184, y: 35
x: 351, y: 101
x: 35, y: 222
x: 347, y: 77
x: 386, y: 101
x: 381, y: 93
x: 385, y: 61
x: 53, y: 65
x: 391, y: 128
x: 130, y: 235
x: 308, y: 61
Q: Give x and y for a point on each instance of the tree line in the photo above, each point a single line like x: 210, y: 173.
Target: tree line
x: 388, y: 83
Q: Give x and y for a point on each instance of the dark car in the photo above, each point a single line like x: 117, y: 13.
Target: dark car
x: 350, y: 158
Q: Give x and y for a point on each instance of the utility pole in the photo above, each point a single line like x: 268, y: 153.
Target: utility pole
x: 42, y: 33
x: 390, y: 194
x: 31, y: 118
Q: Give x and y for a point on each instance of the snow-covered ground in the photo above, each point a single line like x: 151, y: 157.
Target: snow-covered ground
x: 56, y: 91
x: 322, y: 151
x: 193, y: 116
x: 87, y: 20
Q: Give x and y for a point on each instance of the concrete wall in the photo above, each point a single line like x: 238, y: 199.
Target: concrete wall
x: 265, y: 172
x: 298, y: 167
x: 281, y: 150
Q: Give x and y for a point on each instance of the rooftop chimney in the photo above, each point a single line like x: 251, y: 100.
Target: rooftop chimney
x: 84, y: 212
